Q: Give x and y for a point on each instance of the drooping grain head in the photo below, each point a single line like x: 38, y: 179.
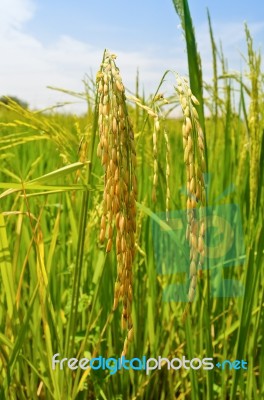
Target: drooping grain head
x: 194, y: 159
x: 118, y: 156
x: 254, y: 122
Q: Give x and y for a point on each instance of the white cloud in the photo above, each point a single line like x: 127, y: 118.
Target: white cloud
x: 13, y: 13
x: 28, y: 66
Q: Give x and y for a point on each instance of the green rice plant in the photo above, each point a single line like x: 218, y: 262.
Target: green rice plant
x: 58, y: 283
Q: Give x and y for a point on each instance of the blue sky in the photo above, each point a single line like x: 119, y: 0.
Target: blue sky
x: 55, y: 43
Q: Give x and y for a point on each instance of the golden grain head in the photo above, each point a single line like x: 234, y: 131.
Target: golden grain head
x: 118, y: 157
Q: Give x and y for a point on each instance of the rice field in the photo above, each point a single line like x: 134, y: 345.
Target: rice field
x: 127, y: 232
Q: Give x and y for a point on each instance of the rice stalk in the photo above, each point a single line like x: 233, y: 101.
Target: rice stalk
x: 118, y: 156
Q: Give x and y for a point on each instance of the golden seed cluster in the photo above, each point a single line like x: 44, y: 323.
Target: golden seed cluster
x: 118, y: 156
x: 194, y: 159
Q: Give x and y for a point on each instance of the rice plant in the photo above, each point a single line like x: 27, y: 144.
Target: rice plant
x: 129, y: 232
